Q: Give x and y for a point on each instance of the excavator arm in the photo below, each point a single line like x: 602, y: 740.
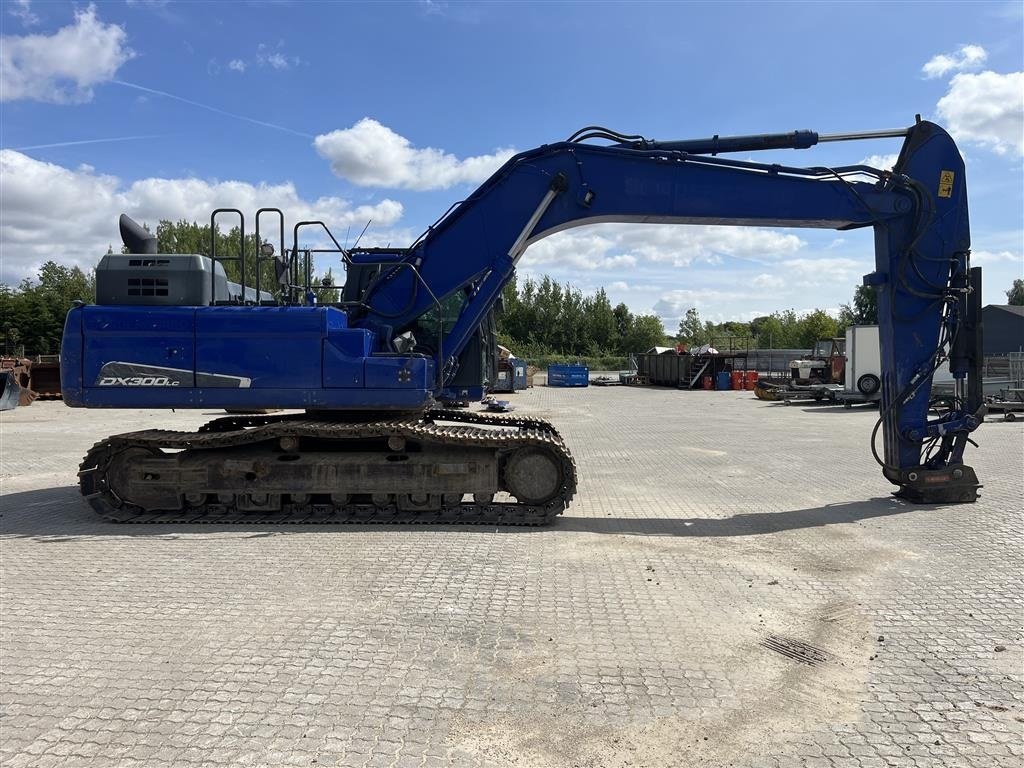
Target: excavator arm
x: 929, y: 298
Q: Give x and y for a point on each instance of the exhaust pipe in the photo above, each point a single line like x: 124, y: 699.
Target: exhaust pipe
x: 134, y: 236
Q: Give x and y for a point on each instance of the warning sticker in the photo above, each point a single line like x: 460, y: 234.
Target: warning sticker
x: 946, y: 184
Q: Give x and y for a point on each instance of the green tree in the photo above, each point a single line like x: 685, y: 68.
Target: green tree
x: 33, y: 313
x: 864, y: 310
x: 542, y: 317
x: 1015, y: 295
x: 602, y: 326
x: 646, y: 331
x: 191, y: 237
x: 326, y: 291
x: 817, y: 325
x: 756, y: 326
x: 623, y: 321
x: 691, y: 331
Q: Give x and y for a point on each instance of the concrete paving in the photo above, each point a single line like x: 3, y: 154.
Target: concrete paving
x: 733, y: 586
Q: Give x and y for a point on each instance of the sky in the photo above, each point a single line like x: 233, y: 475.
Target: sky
x: 391, y: 112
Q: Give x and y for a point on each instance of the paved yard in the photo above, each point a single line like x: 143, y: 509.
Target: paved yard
x: 732, y: 587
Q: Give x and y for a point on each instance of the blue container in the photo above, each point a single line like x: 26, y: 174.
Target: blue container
x: 504, y: 381
x: 564, y: 375
x: 518, y: 375
x: 723, y: 381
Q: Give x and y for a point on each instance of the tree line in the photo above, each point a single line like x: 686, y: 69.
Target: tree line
x: 541, y: 318
x: 33, y: 311
x: 780, y: 330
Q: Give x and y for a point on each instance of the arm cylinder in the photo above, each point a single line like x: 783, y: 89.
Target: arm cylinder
x: 717, y: 144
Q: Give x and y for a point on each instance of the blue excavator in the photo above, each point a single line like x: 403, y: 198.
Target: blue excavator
x: 413, y: 328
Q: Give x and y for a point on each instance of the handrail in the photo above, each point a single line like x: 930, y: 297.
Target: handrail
x: 259, y: 242
x: 213, y: 251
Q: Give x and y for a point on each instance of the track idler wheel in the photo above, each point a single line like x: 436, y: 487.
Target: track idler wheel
x: 533, y: 475
x: 419, y: 502
x: 138, y: 486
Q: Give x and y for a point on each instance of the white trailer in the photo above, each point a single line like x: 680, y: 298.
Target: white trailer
x: 863, y: 361
x: 864, y: 367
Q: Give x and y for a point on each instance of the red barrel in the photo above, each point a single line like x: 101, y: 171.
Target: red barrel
x: 708, y: 382
x: 752, y: 378
x: 737, y: 379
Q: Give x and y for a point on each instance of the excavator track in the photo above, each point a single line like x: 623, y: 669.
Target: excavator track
x: 527, y: 444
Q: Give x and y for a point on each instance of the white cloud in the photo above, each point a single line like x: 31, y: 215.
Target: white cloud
x: 822, y: 273
x: 965, y: 57
x: 719, y: 305
x: 277, y: 61
x: 728, y: 273
x: 372, y: 155
x: 672, y: 305
x: 52, y: 212
x: 63, y: 67
x: 986, y: 108
x: 882, y: 162
x: 22, y: 11
x: 768, y: 281
x: 607, y: 246
x: 275, y: 58
x: 791, y: 282
x: 586, y: 250
x: 466, y: 13
x: 626, y: 287
x: 978, y: 258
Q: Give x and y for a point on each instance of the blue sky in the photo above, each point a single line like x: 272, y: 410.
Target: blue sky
x: 394, y: 111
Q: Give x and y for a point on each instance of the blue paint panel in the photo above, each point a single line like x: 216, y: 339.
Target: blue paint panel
x: 295, y: 357
x: 222, y: 397
x: 400, y: 372
x: 272, y: 347
x: 160, y: 336
x: 355, y: 342
x: 344, y: 356
x: 71, y: 358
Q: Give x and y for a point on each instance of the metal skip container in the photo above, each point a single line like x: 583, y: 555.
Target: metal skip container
x: 565, y: 375
x: 519, y: 375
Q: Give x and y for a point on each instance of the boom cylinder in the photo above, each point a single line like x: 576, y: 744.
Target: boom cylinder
x: 758, y: 142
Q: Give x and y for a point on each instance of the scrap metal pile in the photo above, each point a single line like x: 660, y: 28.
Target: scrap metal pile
x: 23, y: 380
